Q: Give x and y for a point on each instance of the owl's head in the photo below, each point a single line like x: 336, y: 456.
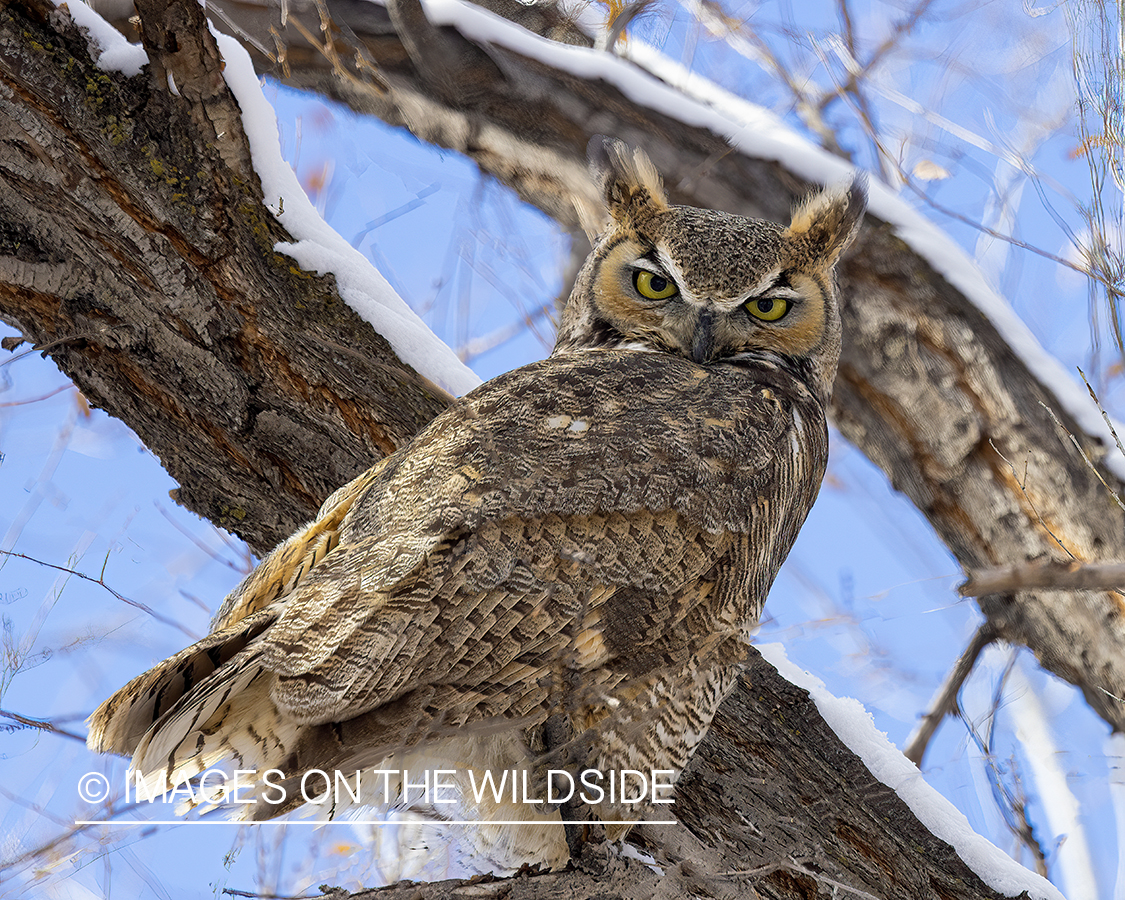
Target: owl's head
x: 710, y: 286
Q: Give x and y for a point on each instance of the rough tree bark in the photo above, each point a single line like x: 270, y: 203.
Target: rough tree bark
x: 134, y: 248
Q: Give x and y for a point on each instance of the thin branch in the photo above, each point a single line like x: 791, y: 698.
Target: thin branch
x: 329, y: 52
x: 42, y: 725
x: 1050, y: 576
x: 198, y: 541
x: 1022, y: 485
x: 622, y: 21
x: 33, y: 807
x: 47, y: 396
x: 1010, y: 801
x: 134, y: 603
x: 1016, y: 161
x: 1105, y: 415
x: 859, y: 74
x: 1082, y: 453
x: 945, y: 703
x: 44, y: 849
x: 43, y: 348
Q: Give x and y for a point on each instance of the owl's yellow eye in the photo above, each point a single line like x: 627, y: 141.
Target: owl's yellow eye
x: 652, y: 286
x: 768, y: 309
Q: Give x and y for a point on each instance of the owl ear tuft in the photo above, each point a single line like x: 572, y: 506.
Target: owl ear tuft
x: 827, y: 222
x: 628, y: 180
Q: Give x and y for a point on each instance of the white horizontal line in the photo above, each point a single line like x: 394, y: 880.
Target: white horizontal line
x: 131, y: 822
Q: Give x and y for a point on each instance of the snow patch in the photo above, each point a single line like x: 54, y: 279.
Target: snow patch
x: 857, y: 730
x: 108, y: 47
x: 320, y: 249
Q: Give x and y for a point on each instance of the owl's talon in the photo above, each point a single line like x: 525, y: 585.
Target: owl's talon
x: 589, y: 849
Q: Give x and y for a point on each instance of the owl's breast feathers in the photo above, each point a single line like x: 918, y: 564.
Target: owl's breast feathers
x: 615, y: 513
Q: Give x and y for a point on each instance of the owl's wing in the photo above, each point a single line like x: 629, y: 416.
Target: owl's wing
x: 560, y: 516
x: 554, y: 510
x: 287, y: 564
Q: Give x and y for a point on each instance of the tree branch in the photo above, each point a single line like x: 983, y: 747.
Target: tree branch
x: 135, y: 249
x: 1045, y: 577
x: 946, y: 701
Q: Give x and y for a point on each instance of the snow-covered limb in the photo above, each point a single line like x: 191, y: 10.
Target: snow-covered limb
x: 321, y: 249
x: 317, y: 247
x: 182, y: 199
x: 857, y: 730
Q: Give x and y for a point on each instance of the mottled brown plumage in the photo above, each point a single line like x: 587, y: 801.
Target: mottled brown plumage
x: 589, y: 537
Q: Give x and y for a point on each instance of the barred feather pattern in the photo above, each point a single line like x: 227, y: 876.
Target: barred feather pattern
x: 589, y: 539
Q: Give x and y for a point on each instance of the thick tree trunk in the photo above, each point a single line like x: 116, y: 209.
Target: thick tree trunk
x: 134, y: 247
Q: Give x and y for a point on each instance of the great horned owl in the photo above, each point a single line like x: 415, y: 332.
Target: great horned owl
x: 586, y: 541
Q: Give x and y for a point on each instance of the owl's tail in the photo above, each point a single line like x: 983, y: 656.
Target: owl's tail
x: 206, y: 705
x: 120, y: 723
x: 211, y: 706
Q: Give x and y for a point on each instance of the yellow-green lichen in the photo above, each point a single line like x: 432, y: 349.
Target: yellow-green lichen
x: 227, y: 513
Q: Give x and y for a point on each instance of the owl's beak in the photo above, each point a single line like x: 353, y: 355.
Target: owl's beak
x: 703, y: 342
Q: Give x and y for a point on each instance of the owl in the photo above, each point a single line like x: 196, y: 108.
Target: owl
x: 556, y: 581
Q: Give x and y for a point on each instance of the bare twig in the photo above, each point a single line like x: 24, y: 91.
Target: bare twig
x: 1022, y: 484
x: 1010, y: 799
x: 1096, y: 273
x: 1085, y: 458
x: 134, y: 603
x: 43, y: 850
x: 1049, y: 576
x: 42, y: 725
x: 47, y: 396
x: 945, y: 703
x: 1105, y: 415
x: 327, y: 49
x: 856, y: 77
x: 198, y: 541
x: 1097, y: 66
x: 44, y: 348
